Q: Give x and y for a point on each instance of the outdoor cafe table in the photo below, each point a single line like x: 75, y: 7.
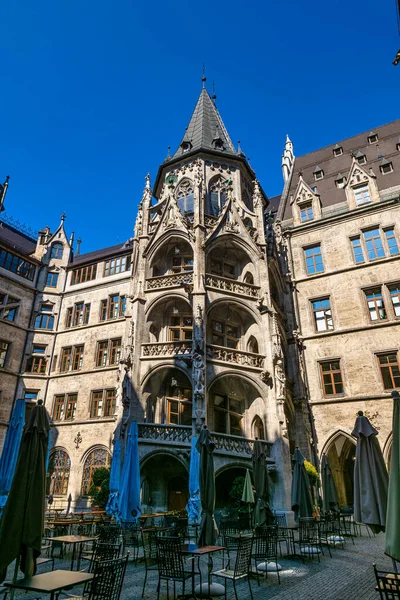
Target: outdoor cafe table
x: 199, y: 551
x: 51, y: 582
x: 74, y: 540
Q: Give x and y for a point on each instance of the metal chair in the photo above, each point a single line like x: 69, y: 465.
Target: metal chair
x: 284, y: 534
x: 171, y: 566
x: 241, y: 568
x: 309, y: 540
x: 388, y: 584
x: 107, y: 581
x: 130, y: 538
x: 265, y: 549
x: 109, y: 533
x: 149, y: 553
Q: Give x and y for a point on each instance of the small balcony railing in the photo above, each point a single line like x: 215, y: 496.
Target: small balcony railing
x: 237, y: 357
x: 232, y: 285
x: 182, y: 435
x: 166, y: 349
x: 166, y: 281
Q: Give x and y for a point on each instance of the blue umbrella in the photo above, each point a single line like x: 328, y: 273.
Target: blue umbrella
x: 193, y: 506
x: 8, y: 460
x: 112, y: 507
x: 129, y: 496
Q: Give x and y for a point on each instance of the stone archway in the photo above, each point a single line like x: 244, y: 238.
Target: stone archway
x: 167, y: 483
x: 223, y: 485
x: 341, y: 452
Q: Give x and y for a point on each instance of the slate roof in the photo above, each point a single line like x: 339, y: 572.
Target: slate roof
x: 204, y: 127
x: 331, y: 165
x: 16, y: 240
x: 97, y: 255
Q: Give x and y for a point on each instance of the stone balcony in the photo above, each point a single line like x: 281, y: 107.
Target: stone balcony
x: 168, y: 281
x: 181, y: 436
x: 166, y: 349
x: 235, y: 357
x: 232, y: 286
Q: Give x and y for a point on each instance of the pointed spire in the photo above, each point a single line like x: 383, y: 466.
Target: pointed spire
x: 71, y: 239
x: 63, y: 217
x: 204, y: 78
x: 78, y: 246
x: 3, y: 192
x: 200, y: 133
x: 287, y: 159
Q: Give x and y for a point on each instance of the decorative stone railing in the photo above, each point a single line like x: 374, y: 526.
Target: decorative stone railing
x: 182, y: 435
x: 231, y: 285
x: 165, y: 281
x: 238, y: 357
x: 167, y: 349
x: 210, y: 221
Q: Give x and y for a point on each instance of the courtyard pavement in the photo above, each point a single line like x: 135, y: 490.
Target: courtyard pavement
x: 348, y: 575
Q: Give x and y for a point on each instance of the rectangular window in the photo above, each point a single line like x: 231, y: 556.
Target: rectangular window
x: 117, y: 265
x: 228, y: 415
x: 376, y: 306
x: 181, y: 328
x: 45, y: 320
x: 102, y: 354
x: 78, y: 358
x: 373, y: 242
x: 306, y: 212
x: 362, y: 195
x: 84, y: 274
x: 314, y: 261
x: 15, y: 264
x: 115, y: 351
x: 66, y: 357
x: 395, y: 297
x: 391, y: 241
x: 52, y: 279
x: 68, y: 319
x: 4, y: 348
x: 109, y: 405
x: 331, y: 377
x: 9, y: 307
x: 182, y: 263
x: 37, y: 364
x: 390, y: 371
x: 357, y: 250
x: 322, y: 314
x: 70, y: 411
x: 31, y: 395
x: 77, y: 315
x: 58, y: 410
x: 113, y: 307
x: 96, y: 405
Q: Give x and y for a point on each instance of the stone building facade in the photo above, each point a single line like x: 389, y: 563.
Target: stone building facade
x: 187, y: 323
x: 340, y: 213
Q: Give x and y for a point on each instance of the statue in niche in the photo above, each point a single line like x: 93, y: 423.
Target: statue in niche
x: 280, y: 379
x: 198, y: 375
x: 139, y: 220
x: 198, y: 333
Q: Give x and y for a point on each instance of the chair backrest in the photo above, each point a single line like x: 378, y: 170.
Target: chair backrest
x: 308, y: 529
x: 149, y: 547
x: 108, y: 579
x: 104, y: 551
x: 109, y: 533
x: 280, y: 519
x: 243, y: 556
x: 265, y: 544
x: 129, y: 533
x: 388, y: 584
x: 169, y: 557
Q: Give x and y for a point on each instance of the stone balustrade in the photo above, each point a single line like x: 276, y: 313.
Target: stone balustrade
x: 231, y: 285
x: 166, y: 281
x: 237, y: 357
x: 167, y: 349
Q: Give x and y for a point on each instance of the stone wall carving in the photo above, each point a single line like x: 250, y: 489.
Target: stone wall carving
x: 231, y: 285
x: 164, y: 281
x: 167, y: 349
x: 238, y: 357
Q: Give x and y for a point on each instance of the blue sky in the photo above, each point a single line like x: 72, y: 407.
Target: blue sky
x: 94, y: 92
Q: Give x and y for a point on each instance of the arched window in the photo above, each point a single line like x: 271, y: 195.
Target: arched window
x: 252, y: 345
x: 56, y: 250
x: 258, y: 428
x: 59, y: 469
x: 248, y: 278
x: 185, y: 197
x: 98, y: 457
x: 217, y: 195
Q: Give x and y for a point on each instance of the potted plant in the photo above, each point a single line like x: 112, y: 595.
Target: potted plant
x: 100, y: 490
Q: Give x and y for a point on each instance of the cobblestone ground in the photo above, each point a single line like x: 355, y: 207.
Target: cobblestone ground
x: 348, y: 575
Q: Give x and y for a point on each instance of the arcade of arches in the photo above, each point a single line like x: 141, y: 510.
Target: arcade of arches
x: 341, y: 454
x: 165, y: 482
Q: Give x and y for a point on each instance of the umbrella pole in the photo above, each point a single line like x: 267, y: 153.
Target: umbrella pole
x: 17, y: 561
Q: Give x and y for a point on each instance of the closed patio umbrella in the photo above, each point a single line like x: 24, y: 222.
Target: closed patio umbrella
x: 392, y: 545
x: 370, y: 477
x: 22, y: 523
x: 193, y: 506
x: 69, y: 504
x: 208, y: 528
x: 247, y: 495
x: 112, y: 507
x: 329, y: 497
x: 9, y: 456
x: 129, y: 496
x: 262, y: 514
x: 302, y: 504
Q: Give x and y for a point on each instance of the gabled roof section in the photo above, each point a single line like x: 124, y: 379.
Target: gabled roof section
x: 16, y: 240
x: 201, y: 131
x: 103, y: 253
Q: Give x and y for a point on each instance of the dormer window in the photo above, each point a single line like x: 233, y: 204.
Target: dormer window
x: 372, y: 138
x: 56, y: 250
x: 340, y: 181
x: 386, y: 167
x: 186, y: 146
x: 306, y: 212
x: 360, y: 158
x: 337, y: 151
x: 318, y: 173
x: 398, y: 145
